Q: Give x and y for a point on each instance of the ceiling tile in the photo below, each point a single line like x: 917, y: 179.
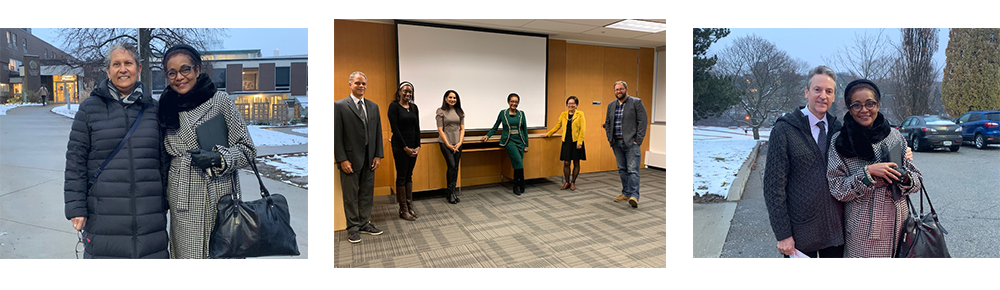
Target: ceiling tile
x: 558, y: 26
x: 611, y: 32
x: 588, y: 22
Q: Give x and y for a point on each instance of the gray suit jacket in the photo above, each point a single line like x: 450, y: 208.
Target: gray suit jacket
x: 633, y: 121
x: 350, y: 135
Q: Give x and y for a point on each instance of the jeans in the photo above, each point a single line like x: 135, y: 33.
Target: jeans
x: 627, y: 157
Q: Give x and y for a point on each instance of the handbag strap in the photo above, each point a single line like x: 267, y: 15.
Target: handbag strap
x: 119, y: 148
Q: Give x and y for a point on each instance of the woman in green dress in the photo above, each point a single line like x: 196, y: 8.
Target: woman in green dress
x: 514, y: 138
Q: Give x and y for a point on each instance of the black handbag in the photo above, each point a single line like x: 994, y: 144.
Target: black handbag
x: 253, y: 229
x: 922, y: 235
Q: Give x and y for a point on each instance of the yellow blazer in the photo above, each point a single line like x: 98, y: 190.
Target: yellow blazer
x: 579, y: 126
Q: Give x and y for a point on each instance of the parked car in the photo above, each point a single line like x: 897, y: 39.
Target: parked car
x: 980, y: 127
x: 931, y: 131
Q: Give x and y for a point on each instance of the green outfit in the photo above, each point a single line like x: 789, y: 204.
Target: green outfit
x: 514, y: 137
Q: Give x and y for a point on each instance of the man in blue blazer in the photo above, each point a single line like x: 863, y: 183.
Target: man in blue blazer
x: 357, y: 147
x: 625, y: 125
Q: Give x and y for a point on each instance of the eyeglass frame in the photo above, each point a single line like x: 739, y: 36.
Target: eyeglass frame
x: 856, y: 107
x: 171, y: 74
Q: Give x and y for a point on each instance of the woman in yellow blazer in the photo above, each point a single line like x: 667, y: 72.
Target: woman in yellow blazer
x: 574, y: 126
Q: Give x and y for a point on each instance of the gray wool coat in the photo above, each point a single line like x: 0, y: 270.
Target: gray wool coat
x: 796, y: 188
x: 194, y: 195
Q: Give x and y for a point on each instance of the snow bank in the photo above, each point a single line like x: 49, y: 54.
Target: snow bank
x: 5, y: 107
x: 718, y: 155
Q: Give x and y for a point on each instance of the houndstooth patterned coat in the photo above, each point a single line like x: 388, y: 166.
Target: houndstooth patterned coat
x: 193, y: 194
x: 872, y: 221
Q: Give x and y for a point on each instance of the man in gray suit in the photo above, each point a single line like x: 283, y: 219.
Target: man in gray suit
x: 357, y: 145
x: 625, y: 124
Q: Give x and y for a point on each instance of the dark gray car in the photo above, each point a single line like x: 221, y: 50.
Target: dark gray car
x: 931, y: 131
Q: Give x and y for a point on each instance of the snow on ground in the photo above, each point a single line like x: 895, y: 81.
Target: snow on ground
x: 264, y: 137
x: 260, y: 136
x: 5, y: 107
x: 302, y: 130
x: 719, y: 153
x: 68, y: 112
x: 291, y: 165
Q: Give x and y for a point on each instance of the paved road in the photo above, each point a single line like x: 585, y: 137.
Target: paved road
x: 32, y: 164
x: 962, y: 185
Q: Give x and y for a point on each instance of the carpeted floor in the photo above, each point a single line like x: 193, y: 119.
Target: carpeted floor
x: 544, y: 227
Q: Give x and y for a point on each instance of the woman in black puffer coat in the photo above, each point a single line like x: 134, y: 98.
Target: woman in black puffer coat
x: 124, y: 213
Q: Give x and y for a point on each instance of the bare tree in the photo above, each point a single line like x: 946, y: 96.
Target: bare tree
x: 765, y: 77
x: 869, y: 57
x: 914, y: 72
x: 89, y: 45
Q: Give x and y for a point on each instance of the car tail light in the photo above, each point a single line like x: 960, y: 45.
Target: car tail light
x: 932, y: 130
x: 992, y: 124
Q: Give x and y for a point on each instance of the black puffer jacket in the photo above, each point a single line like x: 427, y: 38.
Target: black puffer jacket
x: 796, y: 188
x: 125, y: 208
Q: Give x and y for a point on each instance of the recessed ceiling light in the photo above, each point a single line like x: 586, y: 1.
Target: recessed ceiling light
x: 639, y: 25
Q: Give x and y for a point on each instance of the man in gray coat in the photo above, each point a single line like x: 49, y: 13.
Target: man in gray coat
x: 357, y: 145
x: 804, y: 215
x: 625, y: 125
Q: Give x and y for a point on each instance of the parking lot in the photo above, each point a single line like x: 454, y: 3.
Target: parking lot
x: 963, y: 186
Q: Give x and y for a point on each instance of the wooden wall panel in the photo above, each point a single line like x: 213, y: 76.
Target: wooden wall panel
x: 585, y: 71
x: 369, y: 48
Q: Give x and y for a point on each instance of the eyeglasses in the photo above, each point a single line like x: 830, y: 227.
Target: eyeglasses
x: 870, y: 105
x: 185, y: 71
x: 80, y: 245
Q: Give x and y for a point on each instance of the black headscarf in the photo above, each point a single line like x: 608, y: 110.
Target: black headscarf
x: 856, y: 140
x: 172, y: 103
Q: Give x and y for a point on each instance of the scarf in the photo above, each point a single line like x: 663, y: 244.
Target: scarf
x: 172, y: 103
x: 127, y: 100
x: 856, y: 140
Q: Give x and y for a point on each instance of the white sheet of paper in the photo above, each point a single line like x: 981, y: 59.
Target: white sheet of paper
x: 798, y: 254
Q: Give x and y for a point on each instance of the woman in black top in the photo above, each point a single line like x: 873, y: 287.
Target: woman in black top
x: 404, y: 119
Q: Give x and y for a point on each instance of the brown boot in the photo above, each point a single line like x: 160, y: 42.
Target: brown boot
x: 404, y: 211
x: 409, y: 199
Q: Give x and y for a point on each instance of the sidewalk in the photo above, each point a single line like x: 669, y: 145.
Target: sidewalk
x: 736, y: 229
x: 32, y: 164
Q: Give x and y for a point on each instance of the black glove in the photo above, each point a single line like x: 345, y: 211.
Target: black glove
x: 205, y: 159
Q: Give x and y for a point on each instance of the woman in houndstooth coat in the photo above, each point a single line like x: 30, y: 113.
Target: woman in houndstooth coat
x: 872, y: 188
x: 197, y: 178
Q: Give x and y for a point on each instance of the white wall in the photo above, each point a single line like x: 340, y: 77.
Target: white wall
x: 657, y: 154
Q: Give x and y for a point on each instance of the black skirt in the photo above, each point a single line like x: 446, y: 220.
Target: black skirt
x: 570, y: 153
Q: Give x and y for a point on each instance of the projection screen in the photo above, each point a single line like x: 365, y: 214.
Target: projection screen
x: 483, y: 66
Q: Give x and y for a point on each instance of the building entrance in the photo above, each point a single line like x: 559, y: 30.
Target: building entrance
x: 64, y: 90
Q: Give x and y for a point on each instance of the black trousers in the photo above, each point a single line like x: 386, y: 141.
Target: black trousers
x: 831, y: 252
x: 452, y: 159
x: 404, y: 166
x: 358, y: 189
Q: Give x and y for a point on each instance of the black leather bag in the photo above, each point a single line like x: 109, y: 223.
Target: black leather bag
x: 922, y: 235
x: 253, y: 229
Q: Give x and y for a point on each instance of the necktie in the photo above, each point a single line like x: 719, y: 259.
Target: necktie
x: 364, y: 119
x: 364, y: 115
x: 822, y: 138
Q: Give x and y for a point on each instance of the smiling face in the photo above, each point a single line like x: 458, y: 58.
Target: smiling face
x: 513, y: 102
x: 406, y: 94
x: 452, y: 99
x: 123, y: 70
x: 571, y: 105
x: 860, y: 100
x: 620, y: 91
x: 358, y: 85
x: 181, y: 73
x: 820, y: 94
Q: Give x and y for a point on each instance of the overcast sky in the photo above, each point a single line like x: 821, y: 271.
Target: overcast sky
x: 813, y: 44
x: 289, y: 41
